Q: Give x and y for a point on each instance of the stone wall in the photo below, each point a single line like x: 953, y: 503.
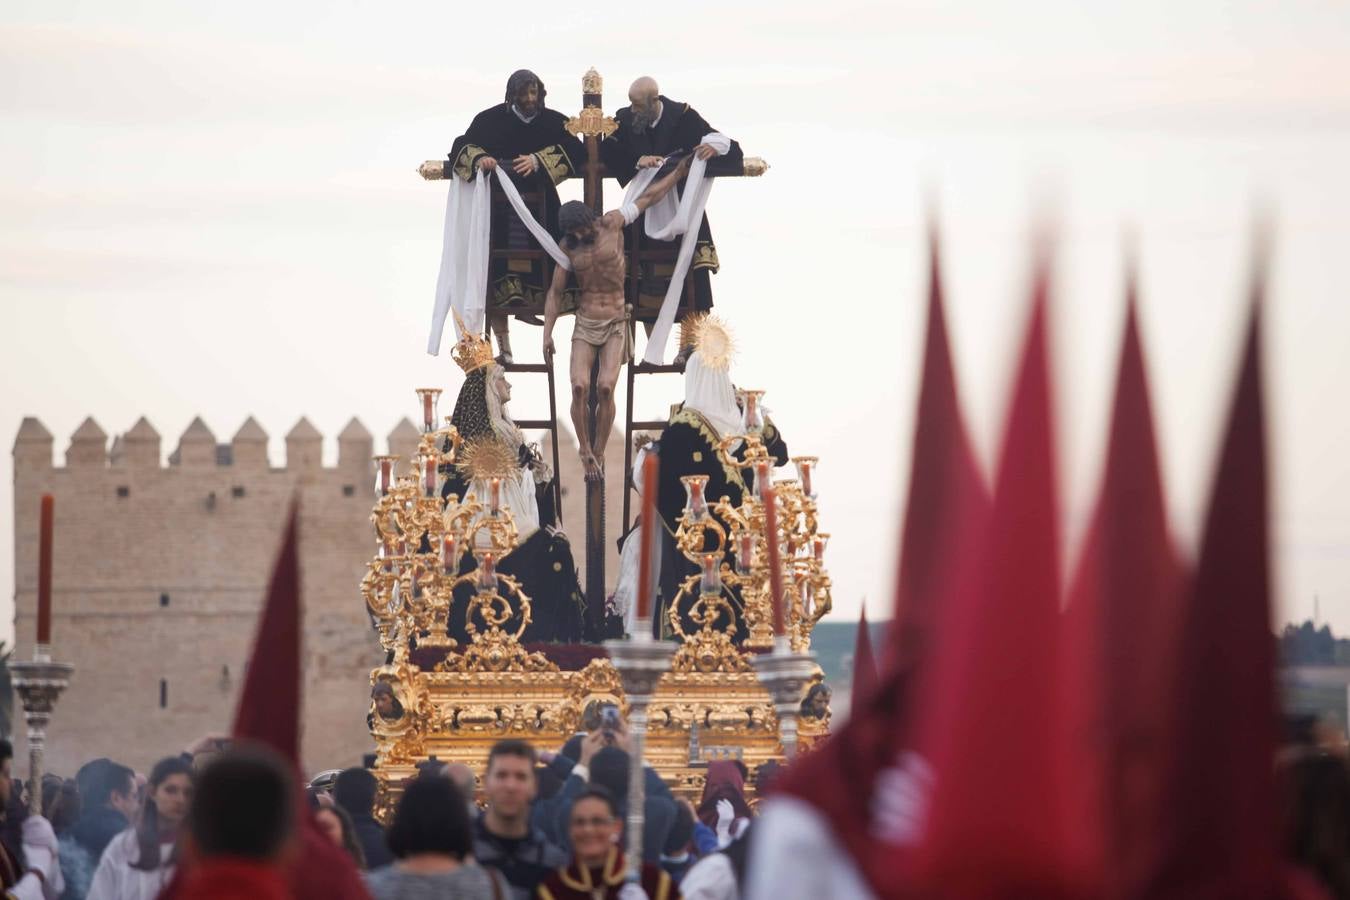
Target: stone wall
x: 160, y: 571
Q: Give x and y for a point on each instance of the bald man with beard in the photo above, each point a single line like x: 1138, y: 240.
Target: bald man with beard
x: 653, y: 128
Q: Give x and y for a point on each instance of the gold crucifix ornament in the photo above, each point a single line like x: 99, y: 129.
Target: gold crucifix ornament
x: 592, y: 121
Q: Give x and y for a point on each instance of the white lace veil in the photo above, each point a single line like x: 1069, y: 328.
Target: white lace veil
x: 708, y: 391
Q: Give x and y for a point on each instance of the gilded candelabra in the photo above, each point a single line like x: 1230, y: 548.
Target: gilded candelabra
x: 707, y: 542
x: 422, y: 539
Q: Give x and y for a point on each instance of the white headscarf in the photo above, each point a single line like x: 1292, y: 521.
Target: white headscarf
x: 708, y: 391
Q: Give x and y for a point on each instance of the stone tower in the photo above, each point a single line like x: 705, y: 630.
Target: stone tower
x: 160, y: 572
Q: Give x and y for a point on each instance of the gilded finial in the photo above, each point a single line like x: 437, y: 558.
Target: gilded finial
x: 591, y: 82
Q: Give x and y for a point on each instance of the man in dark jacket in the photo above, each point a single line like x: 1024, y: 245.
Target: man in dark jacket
x: 108, y: 803
x: 503, y: 837
x: 604, y: 762
x: 354, y: 790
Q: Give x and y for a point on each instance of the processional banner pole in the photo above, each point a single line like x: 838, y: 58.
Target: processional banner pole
x: 640, y: 662
x: 40, y: 682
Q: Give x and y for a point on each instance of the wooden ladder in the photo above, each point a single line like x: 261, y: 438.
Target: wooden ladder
x: 501, y: 209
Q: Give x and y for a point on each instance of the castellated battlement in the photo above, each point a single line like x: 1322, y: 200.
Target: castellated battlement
x: 141, y: 447
x: 160, y: 570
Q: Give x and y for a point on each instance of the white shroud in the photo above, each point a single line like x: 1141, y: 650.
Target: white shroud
x: 461, y: 284
x: 667, y: 220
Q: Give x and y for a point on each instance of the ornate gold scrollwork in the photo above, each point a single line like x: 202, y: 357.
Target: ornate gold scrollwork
x: 592, y: 122
x: 710, y: 705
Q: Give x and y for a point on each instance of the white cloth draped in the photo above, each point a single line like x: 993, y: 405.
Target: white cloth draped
x: 668, y: 219
x: 462, y: 281
x: 461, y: 284
x: 630, y: 564
x: 709, y: 391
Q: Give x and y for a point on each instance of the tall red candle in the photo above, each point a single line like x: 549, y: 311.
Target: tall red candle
x: 649, y: 488
x: 44, y: 612
x: 775, y: 557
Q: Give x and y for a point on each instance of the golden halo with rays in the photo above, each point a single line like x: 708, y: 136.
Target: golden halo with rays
x: 712, y: 339
x: 487, y: 457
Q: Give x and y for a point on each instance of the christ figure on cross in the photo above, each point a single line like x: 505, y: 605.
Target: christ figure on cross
x: 594, y: 246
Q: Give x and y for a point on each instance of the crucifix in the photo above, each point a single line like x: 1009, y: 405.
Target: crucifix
x: 592, y: 126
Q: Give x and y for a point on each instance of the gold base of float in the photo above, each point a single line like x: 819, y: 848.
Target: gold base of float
x: 694, y: 717
x: 454, y: 702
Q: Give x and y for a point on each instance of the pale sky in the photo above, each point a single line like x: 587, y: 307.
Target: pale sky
x: 212, y: 209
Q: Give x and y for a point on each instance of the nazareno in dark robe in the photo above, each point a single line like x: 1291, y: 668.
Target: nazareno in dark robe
x: 688, y: 446
x: 680, y: 130
x: 499, y: 133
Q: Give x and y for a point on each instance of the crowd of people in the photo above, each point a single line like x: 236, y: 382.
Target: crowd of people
x: 223, y: 820
x: 533, y: 824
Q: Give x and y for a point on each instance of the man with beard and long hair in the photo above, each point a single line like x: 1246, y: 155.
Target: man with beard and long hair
x: 531, y: 143
x: 594, y: 247
x: 652, y: 129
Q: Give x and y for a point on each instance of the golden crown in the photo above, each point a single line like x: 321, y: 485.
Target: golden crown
x: 472, y: 351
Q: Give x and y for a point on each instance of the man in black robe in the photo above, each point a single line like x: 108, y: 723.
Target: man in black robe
x: 531, y: 141
x: 652, y: 128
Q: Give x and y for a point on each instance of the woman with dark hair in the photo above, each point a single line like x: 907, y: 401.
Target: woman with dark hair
x: 140, y: 861
x: 336, y: 824
x: 597, y: 869
x: 430, y: 839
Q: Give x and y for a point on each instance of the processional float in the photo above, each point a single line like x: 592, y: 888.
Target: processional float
x: 702, y: 697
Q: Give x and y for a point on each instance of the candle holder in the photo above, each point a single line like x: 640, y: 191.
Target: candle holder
x: 763, y: 477
x: 711, y: 582
x: 696, y: 502
x: 640, y: 662
x: 806, y: 467
x: 745, y: 552
x: 428, y: 400
x: 384, y: 474
x: 487, y: 573
x: 39, y: 684
x: 450, y: 554
x: 806, y: 585
x: 752, y: 417
x: 431, y: 480
x: 785, y: 674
